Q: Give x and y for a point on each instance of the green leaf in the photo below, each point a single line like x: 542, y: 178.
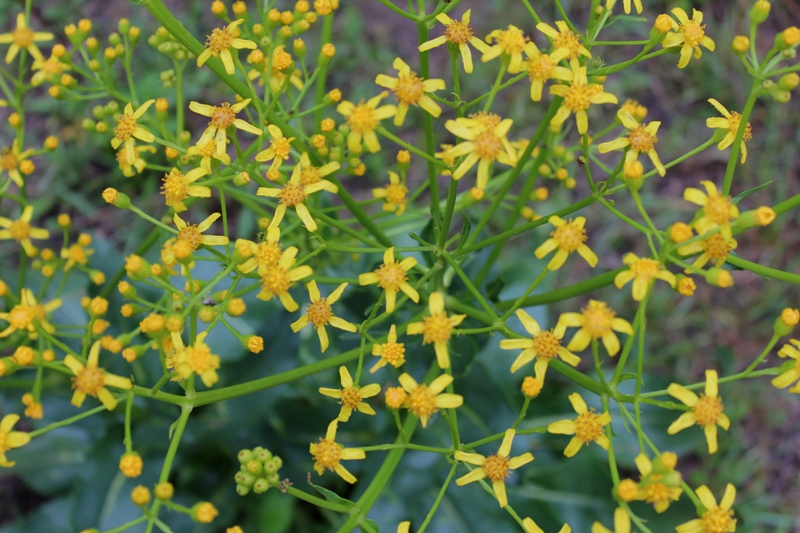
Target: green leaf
x: 275, y: 513
x: 466, y: 230
x: 330, y: 495
x: 741, y: 196
x: 373, y: 526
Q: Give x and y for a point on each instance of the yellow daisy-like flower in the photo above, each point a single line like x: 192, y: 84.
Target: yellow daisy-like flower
x: 660, y: 484
x: 410, y: 89
x: 139, y: 164
x: 486, y: 142
x: 622, y: 522
x: 626, y: 5
x: 390, y: 352
x: 10, y: 159
x: 532, y: 527
x: 641, y: 139
x: 320, y: 314
x: 193, y: 234
x: 206, y: 151
x: 578, y: 96
x: 196, y: 359
x: 793, y: 374
x: 424, y: 401
x: 351, y: 397
x: 716, y: 518
x: 90, y: 380
x: 23, y: 316
x: 510, y: 42
x: 542, y: 67
x: 177, y: 186
x: 730, y: 122
x: 495, y: 467
x: 597, y: 321
x: 279, y: 148
x: 276, y: 280
x: 642, y: 271
x: 267, y: 252
x: 458, y: 33
x: 48, y: 69
x: 707, y: 410
x: 392, y: 278
x: 10, y: 439
x: 588, y: 427
x: 293, y: 194
x: 309, y: 174
x: 437, y: 328
x: 565, y: 38
x: 569, y: 236
x: 718, y: 210
x: 544, y: 345
x: 127, y: 130
x: 278, y: 65
x: 222, y: 117
x: 21, y: 231
x: 24, y: 38
x: 362, y: 119
x: 394, y: 194
x: 714, y: 248
x: 220, y: 43
x: 328, y: 453
x: 689, y: 34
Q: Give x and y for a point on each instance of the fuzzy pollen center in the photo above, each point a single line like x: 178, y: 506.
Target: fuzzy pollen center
x: 540, y: 69
x: 458, y: 32
x: 362, y: 119
x: 8, y: 161
x: 350, y: 397
x: 395, y: 397
x: 89, y: 381
x: 309, y: 176
x: 488, y: 120
x: 191, y: 235
x: 396, y: 193
x: 394, y: 353
x: 496, y: 467
x: 422, y: 402
x: 735, y: 120
x: 587, y: 426
x: 20, y: 317
x: 546, y: 345
x: 319, y: 313
x: 219, y: 40
x: 578, y: 97
x: 718, y: 209
x: 487, y: 145
x: 327, y: 454
x: 716, y: 247
x: 19, y: 230
x: 409, y: 88
x: 512, y: 41
x: 126, y: 125
x: 268, y: 253
x: 597, y: 318
x: 176, y: 186
x: 569, y: 237
x: 391, y: 276
x: 282, y: 148
x: 708, y: 410
x: 276, y: 280
x: 692, y: 33
x: 567, y: 39
x: 641, y: 140
x: 23, y: 37
x: 436, y: 328
x: 645, y: 269
x: 199, y: 359
x: 718, y: 520
x: 292, y: 194
x: 657, y: 493
x: 222, y: 116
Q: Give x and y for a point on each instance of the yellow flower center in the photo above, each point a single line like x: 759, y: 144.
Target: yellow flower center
x: 718, y: 209
x: 692, y: 33
x: 350, y: 397
x: 176, y: 186
x: 52, y: 66
x: 569, y: 236
x: 488, y: 120
x: 282, y: 148
x: 268, y: 253
x: 8, y: 160
x: 645, y: 269
x: 567, y: 39
x: 219, y: 40
x: 20, y: 317
x: 319, y: 313
x: 578, y: 96
x: 327, y: 454
x: 458, y: 32
x: 597, y: 318
x: 588, y: 427
x: 708, y: 410
x: 126, y: 125
x: 20, y: 230
x: 546, y: 344
x: 222, y: 116
x: 395, y: 397
x: 292, y: 194
x: 391, y: 276
x: 282, y: 61
x: 396, y: 193
x: 716, y: 247
x: 657, y: 493
x: 191, y: 235
x: 276, y: 280
x: 436, y: 328
x: 422, y: 402
x: 207, y: 150
x: 23, y: 37
x: 496, y: 467
x: 641, y: 141
x: 88, y: 381
x: 512, y: 40
x: 394, y: 353
x: 362, y: 119
x: 199, y: 358
x: 77, y: 253
x: 487, y: 145
x: 541, y: 68
x: 718, y: 520
x: 409, y: 88
x: 309, y: 176
x: 734, y: 120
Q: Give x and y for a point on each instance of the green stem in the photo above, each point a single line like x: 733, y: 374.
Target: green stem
x: 737, y: 142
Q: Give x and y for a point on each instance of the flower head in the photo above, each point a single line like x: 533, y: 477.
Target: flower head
x: 196, y: 359
x: 569, y: 236
x: 564, y: 38
x: 222, y: 117
x: 49, y: 69
x: 21, y: 231
x: 267, y: 252
x: 24, y: 38
x: 410, y: 89
x: 641, y: 139
x: 395, y: 194
x: 10, y: 439
x: 139, y: 164
x: 90, y: 380
x: 660, y: 484
x: 392, y: 277
x: 458, y: 33
x: 714, y: 248
x: 642, y: 271
x: 706, y: 410
x: 363, y: 119
x: 279, y: 148
x: 220, y: 43
x: 793, y: 374
x: 309, y: 174
x: 486, y: 142
x: 496, y: 467
x: 320, y: 314
x: 178, y: 186
x: 423, y: 401
x: 437, y: 328
x: 597, y: 321
x: 390, y: 352
x: 24, y: 316
x: 542, y: 67
x: 328, y: 453
x: 10, y: 159
x: 294, y: 194
x: 350, y: 396
x: 532, y: 527
x: 277, y: 279
x: 718, y: 210
x: 128, y: 129
x: 509, y: 42
x: 276, y: 69
x: 622, y: 522
x: 588, y: 427
x: 194, y: 234
x: 544, y: 345
x: 689, y: 34
x: 578, y: 96
x: 207, y: 151
x: 716, y: 518
x: 730, y: 122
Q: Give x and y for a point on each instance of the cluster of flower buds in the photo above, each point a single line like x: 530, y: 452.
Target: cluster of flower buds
x: 259, y: 471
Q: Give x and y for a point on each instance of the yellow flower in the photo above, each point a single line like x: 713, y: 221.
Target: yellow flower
x: 351, y: 397
x: 293, y: 194
x: 643, y: 271
x: 641, y: 139
x: 660, y: 484
x: 495, y: 467
x: 10, y: 159
x: 569, y: 236
x: 92, y: 381
x: 706, y: 410
x: 437, y: 328
x: 75, y: 254
x: 10, y: 439
x: 588, y: 427
x: 718, y: 210
x: 127, y: 129
x: 531, y: 527
x: 277, y: 71
x: 730, y: 121
x: 390, y: 352
x: 622, y: 522
x: 23, y: 315
x: 328, y: 453
x: 362, y: 119
x: 193, y: 234
x: 178, y: 186
x: 578, y: 96
x: 458, y: 33
x: 714, y: 248
x: 222, y: 117
x: 403, y: 527
x: 206, y: 151
x: 542, y: 346
x: 319, y: 314
x: 394, y: 194
x: 626, y: 5
x: 219, y: 44
x: 309, y: 174
x: 486, y: 142
x: 410, y: 89
x: 542, y: 67
x: 597, y: 321
x: 267, y: 252
x: 279, y: 148
x: 276, y: 280
x: 424, y: 401
x: 510, y: 42
x: 24, y: 37
x: 48, y: 69
x: 391, y: 277
x: 716, y: 518
x: 21, y: 231
x: 689, y: 35
x: 563, y: 37
x: 129, y: 170
x: 196, y: 359
x: 793, y: 374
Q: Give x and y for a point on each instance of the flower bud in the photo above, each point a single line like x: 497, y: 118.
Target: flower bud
x: 719, y: 277
x: 140, y: 496
x: 204, y: 512
x: 787, y: 38
x: 164, y: 491
x: 124, y: 26
x: 763, y: 216
x: 254, y: 343
x: 679, y: 232
x: 118, y: 199
x: 786, y: 322
x: 740, y: 44
x: 760, y: 11
x: 241, y: 179
x: 299, y: 47
x: 788, y: 82
x: 395, y: 397
x: 131, y: 464
x: 218, y: 8
x: 531, y: 387
x: 261, y: 486
x: 627, y: 490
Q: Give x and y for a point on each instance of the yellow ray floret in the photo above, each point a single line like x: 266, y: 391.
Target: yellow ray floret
x: 597, y: 321
x: 542, y: 67
x: 293, y: 194
x: 392, y: 277
x: 730, y: 121
x: 363, y: 119
x: 642, y: 271
x: 395, y: 194
x: 706, y: 410
x: 716, y: 518
x: 588, y: 427
x: 622, y: 521
x: 569, y: 236
x: 410, y: 89
x: 328, y: 453
x: 689, y: 34
x: 10, y: 439
x: 320, y: 314
x: 222, y: 117
x: 423, y: 401
x: 437, y: 328
x: 27, y: 314
x: 564, y: 38
x: 128, y: 129
x: 90, y: 380
x: 641, y: 139
x: 793, y: 374
x: 578, y: 96
x: 220, y: 43
x: 277, y: 279
x: 459, y: 33
x: 350, y: 396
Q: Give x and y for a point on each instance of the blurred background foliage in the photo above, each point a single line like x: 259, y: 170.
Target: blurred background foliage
x: 67, y: 480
